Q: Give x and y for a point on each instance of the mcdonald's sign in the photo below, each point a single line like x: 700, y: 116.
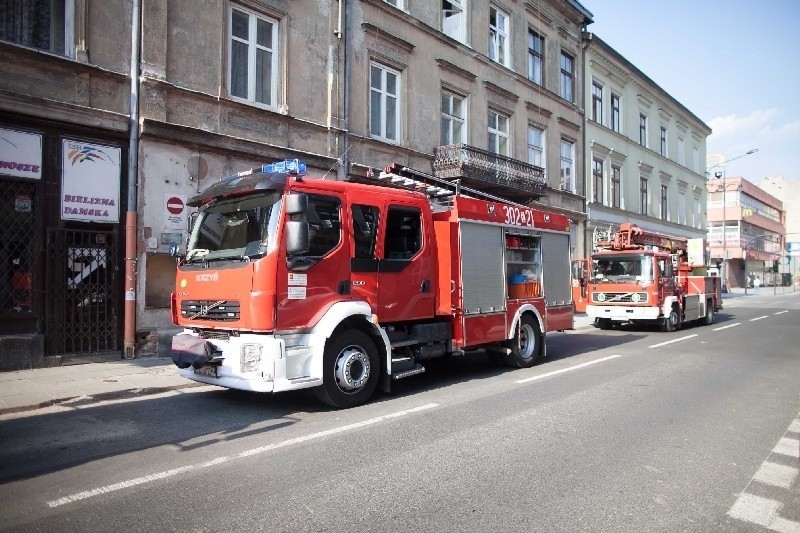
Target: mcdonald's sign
x: 747, y: 212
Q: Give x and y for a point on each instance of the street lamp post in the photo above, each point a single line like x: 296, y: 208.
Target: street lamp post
x: 723, y: 175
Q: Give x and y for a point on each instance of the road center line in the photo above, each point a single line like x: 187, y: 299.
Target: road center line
x: 247, y: 453
x: 728, y: 326
x: 561, y: 371
x: 758, y: 318
x: 781, y: 312
x: 673, y: 340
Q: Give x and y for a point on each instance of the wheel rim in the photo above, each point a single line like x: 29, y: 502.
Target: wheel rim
x: 352, y: 369
x: 527, y: 341
x: 673, y: 318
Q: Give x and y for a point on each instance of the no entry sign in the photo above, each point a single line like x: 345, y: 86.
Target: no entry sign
x: 175, y: 205
x: 175, y: 216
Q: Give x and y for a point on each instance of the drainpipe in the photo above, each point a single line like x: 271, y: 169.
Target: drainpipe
x: 344, y: 23
x: 129, y: 338
x: 588, y: 248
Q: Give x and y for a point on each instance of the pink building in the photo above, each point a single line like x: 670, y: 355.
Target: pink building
x: 746, y: 226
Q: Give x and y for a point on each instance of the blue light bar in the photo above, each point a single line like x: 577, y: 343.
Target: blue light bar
x: 290, y: 166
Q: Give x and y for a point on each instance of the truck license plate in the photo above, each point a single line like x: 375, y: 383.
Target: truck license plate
x: 209, y: 371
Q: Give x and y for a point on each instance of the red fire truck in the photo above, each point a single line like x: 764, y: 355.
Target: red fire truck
x: 291, y: 282
x: 643, y: 276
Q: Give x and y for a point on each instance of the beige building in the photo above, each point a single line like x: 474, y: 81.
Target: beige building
x: 156, y: 99
x: 645, y: 152
x: 788, y: 192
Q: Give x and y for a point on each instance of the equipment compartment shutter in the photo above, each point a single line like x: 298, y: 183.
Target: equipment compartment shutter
x: 482, y: 271
x: 556, y: 275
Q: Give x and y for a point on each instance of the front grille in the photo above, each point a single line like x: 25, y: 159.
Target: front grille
x: 222, y: 310
x: 620, y: 297
x: 213, y: 334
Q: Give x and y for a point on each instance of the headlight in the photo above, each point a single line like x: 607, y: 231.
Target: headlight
x: 601, y: 297
x: 251, y: 357
x: 636, y: 297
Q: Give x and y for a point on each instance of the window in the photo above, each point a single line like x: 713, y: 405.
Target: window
x: 681, y: 151
x: 395, y: 3
x: 616, y: 191
x: 682, y: 207
x: 567, y: 77
x: 498, y: 36
x: 643, y: 196
x: 567, y: 166
x: 664, y: 205
x: 643, y: 129
x: 454, y: 19
x: 365, y: 230
x: 695, y: 159
x: 40, y: 24
x: 403, y: 236
x: 536, y: 147
x: 453, y: 119
x: 615, y: 122
x: 664, y: 141
x: 698, y: 213
x: 498, y: 133
x: 253, y: 57
x: 324, y: 224
x: 597, y: 102
x: 535, y: 57
x: 384, y: 102
x: 597, y: 180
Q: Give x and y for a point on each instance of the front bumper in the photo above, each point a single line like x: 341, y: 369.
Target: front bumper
x: 276, y: 368
x: 623, y: 312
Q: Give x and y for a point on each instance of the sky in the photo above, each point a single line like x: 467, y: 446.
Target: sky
x: 735, y: 64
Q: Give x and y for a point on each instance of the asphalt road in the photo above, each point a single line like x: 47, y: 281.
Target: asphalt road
x: 614, y: 431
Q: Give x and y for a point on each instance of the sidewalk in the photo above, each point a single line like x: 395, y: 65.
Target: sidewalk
x: 74, y: 385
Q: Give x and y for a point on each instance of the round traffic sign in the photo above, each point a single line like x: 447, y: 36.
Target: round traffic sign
x: 175, y: 205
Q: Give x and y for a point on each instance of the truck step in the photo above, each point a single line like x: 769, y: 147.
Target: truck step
x: 418, y: 369
x: 405, y: 342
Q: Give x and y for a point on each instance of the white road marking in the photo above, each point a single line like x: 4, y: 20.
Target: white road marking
x: 763, y: 512
x: 247, y: 453
x: 781, y: 312
x: 795, y: 426
x: 775, y: 474
x: 787, y: 446
x: 561, y: 371
x: 673, y: 340
x: 758, y: 318
x: 728, y: 326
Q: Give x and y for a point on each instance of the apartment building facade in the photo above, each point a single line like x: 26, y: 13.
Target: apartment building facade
x: 787, y: 191
x: 645, y: 152
x: 155, y: 99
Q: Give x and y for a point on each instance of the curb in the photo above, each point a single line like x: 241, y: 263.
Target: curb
x: 89, y: 399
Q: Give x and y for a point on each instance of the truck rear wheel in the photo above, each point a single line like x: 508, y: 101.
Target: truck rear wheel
x: 525, y: 344
x: 709, y: 319
x: 351, y: 369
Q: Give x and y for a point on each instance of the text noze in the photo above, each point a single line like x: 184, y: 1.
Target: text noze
x: 518, y: 216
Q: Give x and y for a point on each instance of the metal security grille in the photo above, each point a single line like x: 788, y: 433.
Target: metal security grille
x: 83, y: 302
x: 18, y: 212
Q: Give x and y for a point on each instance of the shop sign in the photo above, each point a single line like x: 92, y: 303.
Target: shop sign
x: 90, y: 182
x: 20, y: 154
x: 23, y: 204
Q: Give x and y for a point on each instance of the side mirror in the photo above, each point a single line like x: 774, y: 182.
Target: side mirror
x: 296, y: 203
x: 297, y: 240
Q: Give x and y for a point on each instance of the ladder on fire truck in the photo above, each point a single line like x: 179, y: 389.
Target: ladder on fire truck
x: 437, y: 189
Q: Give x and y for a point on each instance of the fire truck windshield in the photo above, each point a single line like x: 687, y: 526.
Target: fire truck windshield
x: 236, y: 228
x: 622, y: 268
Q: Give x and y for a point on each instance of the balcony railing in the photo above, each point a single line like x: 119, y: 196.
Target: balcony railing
x: 490, y: 172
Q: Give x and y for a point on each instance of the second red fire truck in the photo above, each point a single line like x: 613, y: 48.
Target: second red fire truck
x: 291, y: 282
x: 643, y: 276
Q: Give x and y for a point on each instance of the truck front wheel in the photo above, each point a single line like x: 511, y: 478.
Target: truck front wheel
x: 351, y: 369
x: 525, y: 344
x: 672, y: 322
